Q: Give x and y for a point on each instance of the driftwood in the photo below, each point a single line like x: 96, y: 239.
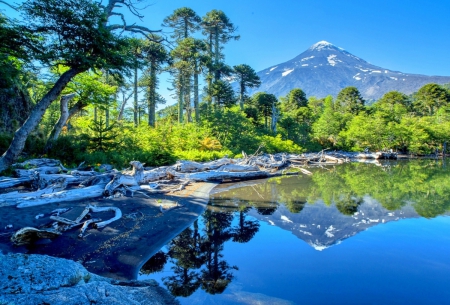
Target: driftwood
x: 16, y: 197
x: 92, y: 184
x: 89, y: 192
x: 28, y: 234
x: 50, y: 180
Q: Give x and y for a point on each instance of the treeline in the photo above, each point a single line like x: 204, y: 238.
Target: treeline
x: 77, y: 87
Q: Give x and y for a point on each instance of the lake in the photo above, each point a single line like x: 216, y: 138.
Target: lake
x: 350, y: 234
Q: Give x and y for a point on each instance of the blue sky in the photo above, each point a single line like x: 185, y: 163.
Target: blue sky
x: 407, y: 36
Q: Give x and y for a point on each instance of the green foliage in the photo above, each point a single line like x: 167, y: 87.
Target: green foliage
x: 223, y: 93
x: 184, y: 21
x: 264, y: 103
x: 349, y: 100
x: 72, y: 33
x: 430, y: 98
x: 275, y: 144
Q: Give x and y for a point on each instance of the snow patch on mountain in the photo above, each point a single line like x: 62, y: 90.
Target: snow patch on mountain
x: 307, y: 58
x: 331, y: 60
x: 287, y: 72
x: 321, y: 45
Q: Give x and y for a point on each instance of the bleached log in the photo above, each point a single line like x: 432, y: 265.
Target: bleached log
x: 238, y: 168
x: 28, y: 234
x: 85, y: 226
x: 333, y: 159
x: 13, y: 198
x: 102, y: 224
x: 94, y: 191
x: 38, y: 163
x: 42, y: 181
x: 136, y: 177
x: 151, y: 190
x: 306, y: 172
x: 221, y: 175
x: 191, y: 166
x: 41, y: 170
x: 63, y: 220
x: 7, y: 182
x: 272, y: 163
x: 83, y: 214
x: 84, y: 173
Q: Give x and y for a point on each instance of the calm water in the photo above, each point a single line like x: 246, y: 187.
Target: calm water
x: 353, y: 234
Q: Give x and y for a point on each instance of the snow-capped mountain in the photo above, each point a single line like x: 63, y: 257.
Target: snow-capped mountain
x: 325, y: 69
x: 323, y: 226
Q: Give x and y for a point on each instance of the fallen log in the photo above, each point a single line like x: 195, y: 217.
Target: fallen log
x: 237, y: 168
x: 221, y: 175
x: 191, y: 166
x: 136, y: 177
x: 13, y: 198
x: 7, y: 182
x: 38, y: 163
x: 89, y: 192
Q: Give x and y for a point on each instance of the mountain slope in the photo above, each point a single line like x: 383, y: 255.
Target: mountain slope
x: 323, y: 226
x: 325, y: 69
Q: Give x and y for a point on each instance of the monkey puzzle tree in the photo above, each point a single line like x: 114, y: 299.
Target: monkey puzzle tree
x: 246, y: 78
x: 349, y: 100
x: 219, y: 30
x: 184, y: 21
x: 155, y: 55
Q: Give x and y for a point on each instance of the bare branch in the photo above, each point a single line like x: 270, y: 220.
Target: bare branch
x: 10, y: 5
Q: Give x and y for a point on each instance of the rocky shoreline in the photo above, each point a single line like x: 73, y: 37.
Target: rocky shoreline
x: 41, y: 279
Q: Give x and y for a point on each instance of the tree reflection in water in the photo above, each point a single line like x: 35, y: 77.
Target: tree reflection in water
x: 196, y: 255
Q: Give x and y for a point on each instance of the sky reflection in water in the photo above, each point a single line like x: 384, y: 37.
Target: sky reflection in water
x: 352, y: 235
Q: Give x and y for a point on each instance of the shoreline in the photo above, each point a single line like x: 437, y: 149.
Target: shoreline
x: 119, y: 250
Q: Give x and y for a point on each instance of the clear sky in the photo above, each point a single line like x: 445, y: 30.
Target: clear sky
x: 403, y: 35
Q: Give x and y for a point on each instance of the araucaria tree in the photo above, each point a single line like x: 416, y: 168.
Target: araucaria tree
x: 184, y: 22
x: 246, y: 77
x: 155, y: 56
x: 219, y: 30
x: 74, y: 34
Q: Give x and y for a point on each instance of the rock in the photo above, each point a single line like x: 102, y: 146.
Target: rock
x: 40, y: 279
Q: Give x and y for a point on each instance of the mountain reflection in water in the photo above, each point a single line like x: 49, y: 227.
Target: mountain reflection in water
x: 323, y: 210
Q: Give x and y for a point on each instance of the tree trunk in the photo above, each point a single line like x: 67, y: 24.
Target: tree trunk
x: 180, y: 100
x: 216, y: 54
x: 136, y: 107
x: 107, y: 116
x: 241, y: 96
x: 152, y: 105
x: 187, y: 98
x: 54, y: 134
x: 35, y: 117
x: 196, y: 107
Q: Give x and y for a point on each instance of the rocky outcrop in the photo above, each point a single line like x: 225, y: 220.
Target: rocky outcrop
x: 40, y: 279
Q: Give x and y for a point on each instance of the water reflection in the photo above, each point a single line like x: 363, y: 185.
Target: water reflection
x: 424, y: 184
x: 196, y: 254
x: 322, y: 210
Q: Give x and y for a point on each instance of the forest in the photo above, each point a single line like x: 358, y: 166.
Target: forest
x: 80, y: 84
